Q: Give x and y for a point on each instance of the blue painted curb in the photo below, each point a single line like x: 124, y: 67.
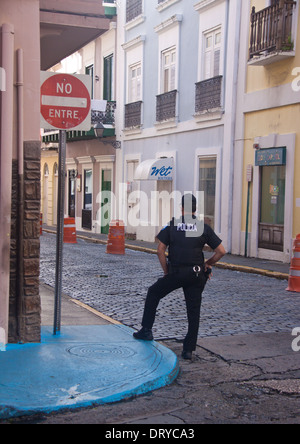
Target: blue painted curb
x: 82, y: 367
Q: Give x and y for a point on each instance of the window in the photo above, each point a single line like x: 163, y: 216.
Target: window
x: 135, y: 83
x: 169, y: 70
x: 212, y: 53
x: 207, y: 183
x: 108, y: 78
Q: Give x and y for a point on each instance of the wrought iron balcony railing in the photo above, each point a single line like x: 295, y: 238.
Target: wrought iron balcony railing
x: 107, y: 117
x: 209, y: 94
x: 271, y: 28
x: 133, y: 115
x: 134, y: 8
x: 166, y: 105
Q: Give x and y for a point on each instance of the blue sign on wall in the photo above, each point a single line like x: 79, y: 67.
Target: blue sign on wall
x: 270, y: 156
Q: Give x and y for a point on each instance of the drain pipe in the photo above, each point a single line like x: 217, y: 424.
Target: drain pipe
x: 20, y: 252
x: 6, y: 150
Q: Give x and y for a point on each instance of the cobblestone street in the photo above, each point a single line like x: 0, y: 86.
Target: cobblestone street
x: 233, y: 302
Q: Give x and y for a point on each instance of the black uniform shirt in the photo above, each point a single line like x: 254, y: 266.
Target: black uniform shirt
x: 186, y: 243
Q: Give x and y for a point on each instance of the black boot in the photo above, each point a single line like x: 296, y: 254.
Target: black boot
x: 187, y: 355
x: 145, y: 334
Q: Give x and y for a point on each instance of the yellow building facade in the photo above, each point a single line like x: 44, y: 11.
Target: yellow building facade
x: 49, y: 186
x: 268, y: 134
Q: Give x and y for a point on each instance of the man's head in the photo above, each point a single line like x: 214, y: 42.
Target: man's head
x: 189, y: 204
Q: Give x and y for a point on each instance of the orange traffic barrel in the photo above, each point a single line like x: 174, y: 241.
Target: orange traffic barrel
x: 116, y: 238
x: 294, y: 276
x: 41, y: 224
x: 70, y: 231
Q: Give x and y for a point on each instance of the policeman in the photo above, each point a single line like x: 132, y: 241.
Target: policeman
x: 185, y: 268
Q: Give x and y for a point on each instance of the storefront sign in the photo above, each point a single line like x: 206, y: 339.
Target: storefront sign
x: 162, y: 173
x: 270, y: 156
x: 155, y: 169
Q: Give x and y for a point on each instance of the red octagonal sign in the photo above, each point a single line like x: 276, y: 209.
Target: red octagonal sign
x: 65, y: 102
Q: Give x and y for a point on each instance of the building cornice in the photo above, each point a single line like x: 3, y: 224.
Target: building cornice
x: 175, y: 19
x: 205, y: 4
x: 134, y: 42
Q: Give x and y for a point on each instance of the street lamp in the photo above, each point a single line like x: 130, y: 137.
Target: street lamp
x: 99, y: 132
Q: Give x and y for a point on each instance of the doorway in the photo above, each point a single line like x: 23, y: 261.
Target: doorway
x: 207, y: 184
x: 272, y: 206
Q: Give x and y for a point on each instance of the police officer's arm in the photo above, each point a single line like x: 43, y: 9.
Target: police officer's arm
x: 219, y: 253
x: 161, y: 253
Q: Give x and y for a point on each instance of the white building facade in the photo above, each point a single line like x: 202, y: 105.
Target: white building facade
x: 177, y: 75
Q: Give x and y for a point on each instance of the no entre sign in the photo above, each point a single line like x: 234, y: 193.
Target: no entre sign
x: 65, y: 101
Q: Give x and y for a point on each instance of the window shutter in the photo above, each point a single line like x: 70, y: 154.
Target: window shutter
x: 172, y: 81
x: 207, y: 62
x: 217, y: 55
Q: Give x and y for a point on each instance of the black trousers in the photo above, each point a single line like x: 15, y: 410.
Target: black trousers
x: 192, y: 286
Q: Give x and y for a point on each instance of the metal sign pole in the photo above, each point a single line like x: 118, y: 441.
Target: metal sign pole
x: 249, y: 180
x: 60, y: 230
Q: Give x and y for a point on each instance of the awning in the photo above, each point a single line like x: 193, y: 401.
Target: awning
x: 155, y: 169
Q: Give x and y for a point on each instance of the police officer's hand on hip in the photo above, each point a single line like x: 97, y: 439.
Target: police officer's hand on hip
x: 184, y: 268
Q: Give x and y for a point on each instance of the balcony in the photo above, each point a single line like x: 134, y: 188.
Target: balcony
x: 166, y: 105
x: 133, y: 115
x: 271, y: 33
x: 209, y: 96
x: 134, y: 8
x: 107, y: 117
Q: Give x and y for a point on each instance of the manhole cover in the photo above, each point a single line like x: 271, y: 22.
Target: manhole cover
x: 98, y: 351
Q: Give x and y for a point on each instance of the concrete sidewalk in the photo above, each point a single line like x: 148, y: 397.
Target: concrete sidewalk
x: 92, y: 361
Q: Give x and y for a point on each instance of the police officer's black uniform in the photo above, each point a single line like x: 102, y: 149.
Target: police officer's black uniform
x: 186, y: 270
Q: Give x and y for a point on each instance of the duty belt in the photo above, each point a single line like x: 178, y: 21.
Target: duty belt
x: 196, y: 268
